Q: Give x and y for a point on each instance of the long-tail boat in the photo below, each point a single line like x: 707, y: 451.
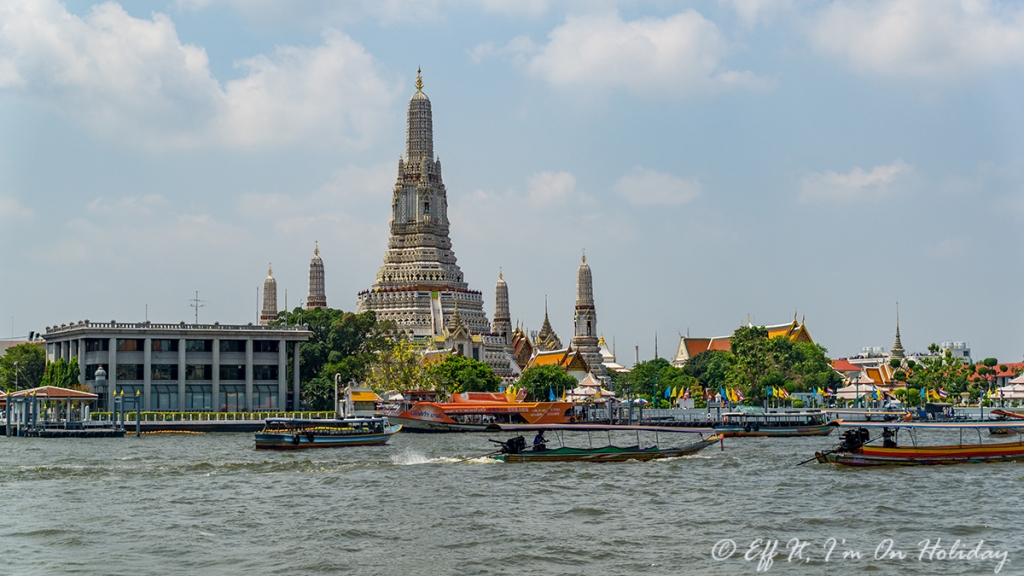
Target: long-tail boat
x: 297, y: 434
x: 854, y: 450
x: 515, y: 448
x: 776, y: 424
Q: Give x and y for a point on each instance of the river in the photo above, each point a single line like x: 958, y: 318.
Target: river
x: 211, y: 504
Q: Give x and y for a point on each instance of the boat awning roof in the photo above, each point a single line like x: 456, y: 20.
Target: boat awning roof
x: 940, y: 425
x: 599, y: 428
x: 55, y: 393
x: 365, y: 396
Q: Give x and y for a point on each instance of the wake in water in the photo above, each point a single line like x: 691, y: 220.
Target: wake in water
x: 408, y: 457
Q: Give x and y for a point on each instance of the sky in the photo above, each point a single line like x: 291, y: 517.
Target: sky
x: 718, y: 160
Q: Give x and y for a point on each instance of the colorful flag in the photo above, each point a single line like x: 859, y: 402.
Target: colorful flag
x: 668, y: 393
x: 551, y: 394
x: 739, y: 396
x: 943, y: 393
x: 723, y: 394
x: 686, y: 394
x: 923, y: 395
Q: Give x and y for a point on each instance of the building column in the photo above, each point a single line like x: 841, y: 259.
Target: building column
x: 248, y: 374
x: 296, y: 397
x: 216, y: 375
x: 147, y: 372
x: 81, y: 361
x: 282, y: 374
x: 111, y: 373
x: 181, y: 374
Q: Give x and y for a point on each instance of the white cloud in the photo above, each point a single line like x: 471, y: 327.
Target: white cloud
x: 12, y: 210
x: 925, y: 38
x: 133, y: 79
x: 551, y: 188
x: 857, y: 184
x: 752, y: 11
x: 682, y: 53
x: 647, y: 187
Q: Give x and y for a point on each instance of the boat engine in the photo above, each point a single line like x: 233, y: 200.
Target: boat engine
x: 515, y: 445
x: 854, y: 439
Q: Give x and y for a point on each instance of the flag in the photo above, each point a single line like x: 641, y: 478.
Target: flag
x: 943, y: 393
x: 923, y: 395
x: 768, y: 391
x: 686, y: 394
x: 724, y: 395
x: 874, y: 394
x: 739, y: 396
x: 551, y: 394
x: 732, y: 395
x: 668, y: 393
x: 786, y: 392
x: 821, y: 393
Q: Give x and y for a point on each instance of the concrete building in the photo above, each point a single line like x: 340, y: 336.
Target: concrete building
x: 184, y: 367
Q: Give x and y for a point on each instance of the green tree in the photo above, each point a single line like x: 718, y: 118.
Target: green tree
x: 397, y: 367
x: 652, y: 379
x: 752, y: 362
x: 538, y: 380
x: 709, y: 368
x: 460, y: 374
x: 61, y: 374
x: 31, y: 362
x: 941, y: 370
x: 343, y: 343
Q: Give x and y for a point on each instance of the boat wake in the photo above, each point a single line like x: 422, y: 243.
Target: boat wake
x: 409, y: 457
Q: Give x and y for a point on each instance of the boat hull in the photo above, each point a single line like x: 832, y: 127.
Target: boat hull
x: 775, y: 431
x: 924, y: 456
x: 417, y: 425
x: 300, y: 440
x: 606, y: 454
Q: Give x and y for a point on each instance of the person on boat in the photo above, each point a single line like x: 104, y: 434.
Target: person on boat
x: 888, y: 438
x: 539, y: 442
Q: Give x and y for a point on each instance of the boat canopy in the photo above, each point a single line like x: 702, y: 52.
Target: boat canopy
x: 599, y: 428
x: 940, y: 425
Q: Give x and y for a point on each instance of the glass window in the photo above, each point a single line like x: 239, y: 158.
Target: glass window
x: 198, y: 397
x: 163, y: 397
x: 131, y: 345
x: 164, y: 371
x: 261, y: 372
x: 130, y: 372
x: 232, y: 398
x: 199, y: 345
x: 476, y: 352
x: 129, y: 392
x: 164, y: 345
x: 232, y: 372
x: 97, y: 344
x: 90, y: 371
x: 264, y: 345
x: 198, y: 372
x: 264, y: 397
x: 232, y: 345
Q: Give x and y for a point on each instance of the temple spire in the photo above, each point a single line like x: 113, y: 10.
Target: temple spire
x: 897, y: 347
x: 419, y: 80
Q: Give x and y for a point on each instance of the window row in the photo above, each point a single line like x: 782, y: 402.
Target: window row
x: 192, y: 372
x: 165, y: 345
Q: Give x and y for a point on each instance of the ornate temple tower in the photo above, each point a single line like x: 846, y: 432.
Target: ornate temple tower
x: 317, y: 293
x: 502, y: 318
x: 269, y: 312
x: 585, y: 340
x: 897, y: 347
x: 420, y: 282
x: 547, y: 340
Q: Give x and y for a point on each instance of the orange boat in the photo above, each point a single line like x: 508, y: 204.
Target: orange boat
x: 475, y: 411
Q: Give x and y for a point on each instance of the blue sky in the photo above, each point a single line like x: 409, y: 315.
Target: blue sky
x: 716, y: 159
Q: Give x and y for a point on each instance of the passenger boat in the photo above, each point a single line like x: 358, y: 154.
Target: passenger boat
x: 776, y: 424
x: 475, y: 411
x: 515, y: 449
x: 855, y: 451
x: 297, y: 434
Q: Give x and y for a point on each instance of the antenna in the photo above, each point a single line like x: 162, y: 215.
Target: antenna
x: 197, y: 304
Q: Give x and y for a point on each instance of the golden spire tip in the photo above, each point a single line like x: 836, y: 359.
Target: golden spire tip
x: 419, y: 80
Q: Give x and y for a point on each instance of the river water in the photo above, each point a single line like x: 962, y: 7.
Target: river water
x: 211, y: 504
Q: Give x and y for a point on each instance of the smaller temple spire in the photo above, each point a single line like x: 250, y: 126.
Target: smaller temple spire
x: 897, y: 347
x: 316, y: 250
x: 419, y: 80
